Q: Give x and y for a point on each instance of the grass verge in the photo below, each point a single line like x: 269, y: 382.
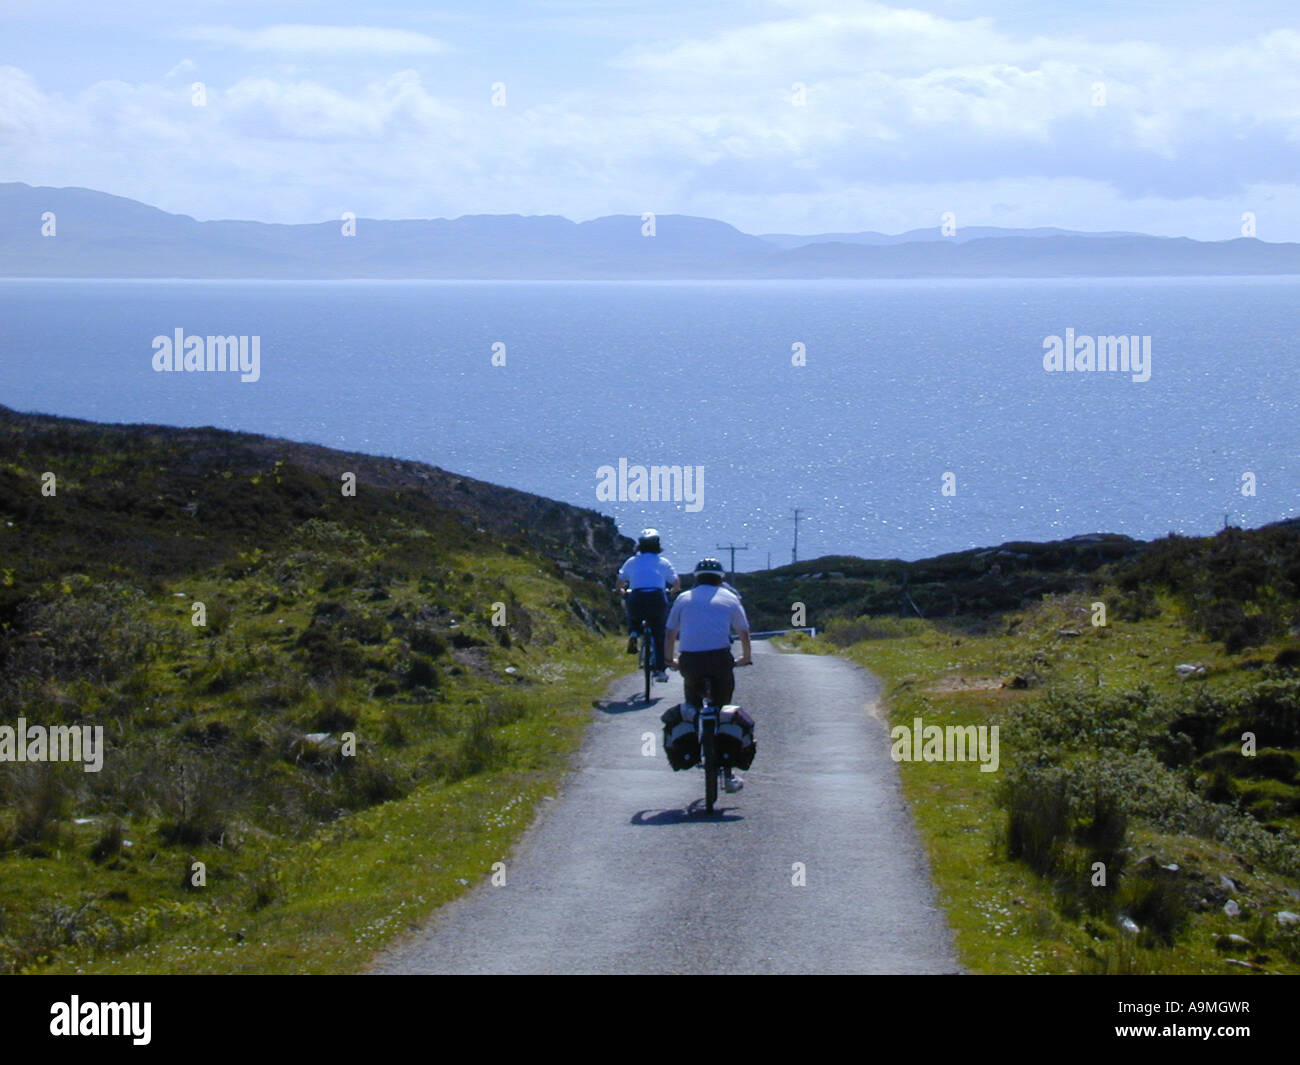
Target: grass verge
x: 328, y: 903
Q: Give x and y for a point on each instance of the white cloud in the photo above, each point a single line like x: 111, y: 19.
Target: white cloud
x: 306, y: 110
x: 321, y: 39
x: 871, y: 38
x: 897, y: 92
x: 21, y: 106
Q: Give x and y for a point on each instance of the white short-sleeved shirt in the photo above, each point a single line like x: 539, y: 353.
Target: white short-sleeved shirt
x: 648, y: 570
x: 705, y: 617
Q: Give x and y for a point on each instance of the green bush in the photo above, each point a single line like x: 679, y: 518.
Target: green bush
x: 1158, y: 904
x: 35, y: 797
x: 1061, y: 825
x: 844, y: 633
x: 96, y: 632
x: 421, y: 673
x: 1240, y: 587
x: 195, y: 795
x: 1038, y: 817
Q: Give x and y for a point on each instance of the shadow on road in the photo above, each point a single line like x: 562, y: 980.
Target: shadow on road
x: 625, y: 706
x: 694, y: 814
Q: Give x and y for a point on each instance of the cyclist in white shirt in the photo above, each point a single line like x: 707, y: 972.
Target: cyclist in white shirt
x: 705, y: 618
x: 647, y: 574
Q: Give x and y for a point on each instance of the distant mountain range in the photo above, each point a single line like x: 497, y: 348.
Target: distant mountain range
x: 961, y: 236
x: 95, y: 234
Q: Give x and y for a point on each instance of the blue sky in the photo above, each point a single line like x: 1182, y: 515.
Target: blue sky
x: 988, y: 110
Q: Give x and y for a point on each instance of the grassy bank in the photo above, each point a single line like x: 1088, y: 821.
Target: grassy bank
x: 323, y: 713
x: 321, y: 903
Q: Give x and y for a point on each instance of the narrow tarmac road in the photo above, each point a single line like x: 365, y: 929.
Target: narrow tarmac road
x: 625, y: 873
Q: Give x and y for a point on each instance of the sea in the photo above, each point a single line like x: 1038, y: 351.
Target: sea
x: 900, y: 419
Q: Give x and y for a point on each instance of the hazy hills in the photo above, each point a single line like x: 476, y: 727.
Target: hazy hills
x: 961, y: 236
x: 98, y: 235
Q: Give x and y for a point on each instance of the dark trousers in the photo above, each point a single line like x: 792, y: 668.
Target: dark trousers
x: 651, y: 607
x: 708, y: 667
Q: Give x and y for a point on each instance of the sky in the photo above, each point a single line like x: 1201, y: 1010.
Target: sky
x: 796, y: 116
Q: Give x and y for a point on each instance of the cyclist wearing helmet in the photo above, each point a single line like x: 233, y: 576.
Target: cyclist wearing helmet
x: 705, y: 617
x: 647, y: 574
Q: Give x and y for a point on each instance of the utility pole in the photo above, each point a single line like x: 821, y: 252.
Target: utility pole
x: 769, y: 560
x: 794, y: 552
x: 733, y: 548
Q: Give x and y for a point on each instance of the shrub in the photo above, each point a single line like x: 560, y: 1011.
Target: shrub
x: 1270, y: 709
x: 195, y: 795
x: 420, y: 673
x: 1136, y: 604
x: 427, y: 642
x: 1061, y: 825
x: 327, y: 654
x: 391, y: 731
x: 1287, y: 658
x: 367, y: 783
x: 264, y: 887
x: 93, y: 631
x: 37, y: 798
x: 845, y: 633
x: 1158, y: 904
x: 333, y: 713
x: 1241, y: 588
x: 109, y: 843
x: 1038, y: 817
x: 475, y: 749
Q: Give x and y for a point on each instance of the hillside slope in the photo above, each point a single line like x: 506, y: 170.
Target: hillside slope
x: 275, y: 664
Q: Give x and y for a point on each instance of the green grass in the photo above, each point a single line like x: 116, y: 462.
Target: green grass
x: 348, y: 890
x: 298, y: 881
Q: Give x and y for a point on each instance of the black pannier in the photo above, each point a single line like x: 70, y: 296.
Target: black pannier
x: 681, y: 745
x: 735, y: 740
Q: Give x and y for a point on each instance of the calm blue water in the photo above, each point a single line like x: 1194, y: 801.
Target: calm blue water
x: 904, y: 381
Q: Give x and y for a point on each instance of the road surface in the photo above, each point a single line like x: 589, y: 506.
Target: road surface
x: 624, y: 873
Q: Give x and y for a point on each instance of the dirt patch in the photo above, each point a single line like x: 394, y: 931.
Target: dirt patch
x: 955, y: 682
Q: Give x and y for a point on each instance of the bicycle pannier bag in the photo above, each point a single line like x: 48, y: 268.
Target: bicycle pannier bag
x: 681, y: 745
x: 736, y: 746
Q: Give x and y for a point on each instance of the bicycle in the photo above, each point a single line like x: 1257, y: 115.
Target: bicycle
x: 707, y: 720
x: 645, y: 651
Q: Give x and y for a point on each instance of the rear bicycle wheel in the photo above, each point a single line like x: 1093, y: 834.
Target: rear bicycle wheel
x: 647, y: 656
x: 710, y: 771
